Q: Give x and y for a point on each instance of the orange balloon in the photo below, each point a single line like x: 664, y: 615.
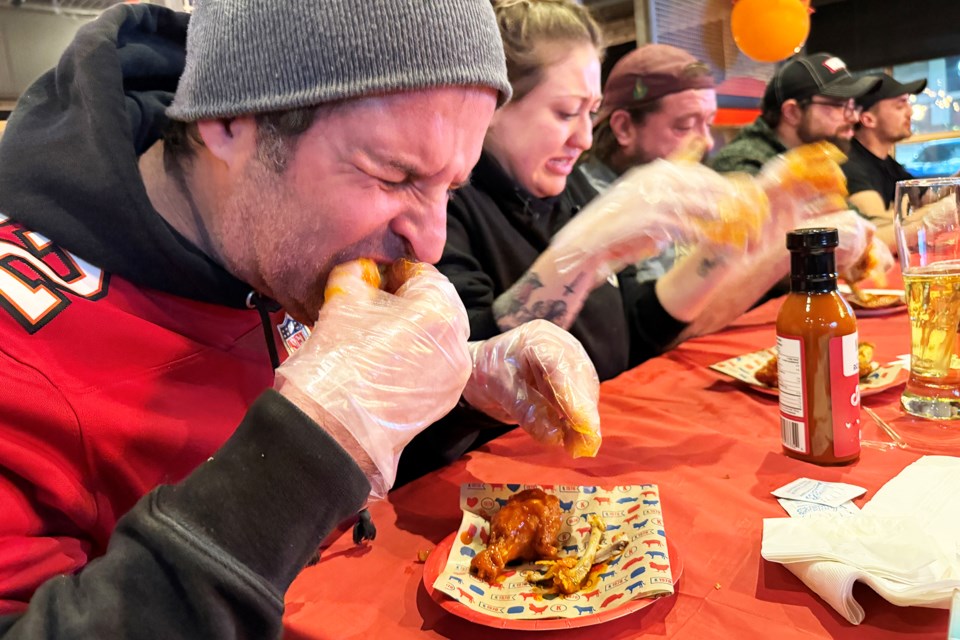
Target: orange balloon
x: 770, y: 30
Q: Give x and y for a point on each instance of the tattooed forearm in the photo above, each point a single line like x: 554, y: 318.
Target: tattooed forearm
x: 569, y: 289
x: 553, y: 310
x: 518, y: 295
x: 516, y: 314
x: 528, y: 299
x: 709, y: 264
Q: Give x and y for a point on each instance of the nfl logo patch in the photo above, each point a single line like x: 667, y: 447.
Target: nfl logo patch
x: 292, y: 333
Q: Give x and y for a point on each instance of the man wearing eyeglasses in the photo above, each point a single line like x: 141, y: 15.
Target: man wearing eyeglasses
x: 810, y: 99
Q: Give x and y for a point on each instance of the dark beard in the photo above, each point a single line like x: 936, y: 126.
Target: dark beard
x: 842, y: 143
x: 803, y: 132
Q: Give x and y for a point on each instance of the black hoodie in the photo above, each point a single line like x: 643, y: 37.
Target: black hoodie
x: 65, y: 150
x: 212, y: 556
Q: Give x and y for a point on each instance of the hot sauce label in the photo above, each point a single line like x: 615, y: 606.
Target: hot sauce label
x: 845, y: 395
x: 794, y: 431
x: 844, y: 375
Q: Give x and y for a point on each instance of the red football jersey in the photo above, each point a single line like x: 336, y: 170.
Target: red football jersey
x: 106, y: 391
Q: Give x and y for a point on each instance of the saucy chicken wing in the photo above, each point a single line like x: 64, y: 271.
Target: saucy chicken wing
x: 525, y: 528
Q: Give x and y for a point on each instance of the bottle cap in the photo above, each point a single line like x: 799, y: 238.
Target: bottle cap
x: 812, y: 263
x: 812, y: 239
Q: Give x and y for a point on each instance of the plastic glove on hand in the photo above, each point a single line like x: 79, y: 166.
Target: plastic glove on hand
x: 648, y: 209
x: 805, y: 182
x: 741, y: 214
x: 381, y: 365
x: 872, y: 265
x: 793, y: 187
x: 808, y: 172
x: 538, y: 376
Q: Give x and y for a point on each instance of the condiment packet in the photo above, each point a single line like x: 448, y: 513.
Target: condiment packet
x: 953, y: 632
x: 801, y: 509
x: 832, y: 494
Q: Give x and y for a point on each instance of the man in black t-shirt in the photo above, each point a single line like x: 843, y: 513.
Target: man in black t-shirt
x: 872, y: 172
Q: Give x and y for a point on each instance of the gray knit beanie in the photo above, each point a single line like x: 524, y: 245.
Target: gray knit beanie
x: 250, y: 56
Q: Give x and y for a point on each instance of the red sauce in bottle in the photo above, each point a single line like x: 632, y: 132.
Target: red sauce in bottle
x: 818, y: 365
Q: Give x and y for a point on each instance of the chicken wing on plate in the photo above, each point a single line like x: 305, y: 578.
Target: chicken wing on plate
x: 525, y: 528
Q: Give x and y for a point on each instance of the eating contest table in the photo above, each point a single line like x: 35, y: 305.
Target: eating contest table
x: 713, y: 447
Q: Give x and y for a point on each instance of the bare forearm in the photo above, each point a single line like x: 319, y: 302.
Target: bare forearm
x: 685, y: 290
x: 745, y: 281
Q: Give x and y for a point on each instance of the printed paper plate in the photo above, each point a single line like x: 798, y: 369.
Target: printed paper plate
x: 645, y: 571
x: 744, y: 368
x: 867, y: 312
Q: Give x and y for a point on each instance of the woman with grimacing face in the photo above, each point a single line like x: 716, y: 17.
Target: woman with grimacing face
x: 538, y: 138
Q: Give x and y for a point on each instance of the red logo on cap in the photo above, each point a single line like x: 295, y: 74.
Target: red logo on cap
x: 834, y: 64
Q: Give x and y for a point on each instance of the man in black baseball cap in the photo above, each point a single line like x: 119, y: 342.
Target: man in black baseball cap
x: 809, y: 99
x: 872, y: 173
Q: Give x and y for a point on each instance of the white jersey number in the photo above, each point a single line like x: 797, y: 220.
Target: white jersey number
x: 36, y: 276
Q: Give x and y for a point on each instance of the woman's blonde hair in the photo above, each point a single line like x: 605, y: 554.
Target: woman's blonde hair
x: 527, y: 25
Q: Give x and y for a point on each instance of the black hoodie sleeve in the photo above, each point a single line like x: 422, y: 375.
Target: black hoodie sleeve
x: 212, y: 556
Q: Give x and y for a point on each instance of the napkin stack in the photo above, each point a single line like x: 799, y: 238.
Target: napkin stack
x: 905, y: 543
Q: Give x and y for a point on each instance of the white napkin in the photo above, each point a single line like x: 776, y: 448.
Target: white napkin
x: 904, y: 543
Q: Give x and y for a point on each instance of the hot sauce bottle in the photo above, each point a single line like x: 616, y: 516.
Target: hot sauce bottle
x: 817, y: 366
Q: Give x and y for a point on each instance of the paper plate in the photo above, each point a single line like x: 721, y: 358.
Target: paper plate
x: 438, y: 559
x: 744, y: 367
x: 898, y: 307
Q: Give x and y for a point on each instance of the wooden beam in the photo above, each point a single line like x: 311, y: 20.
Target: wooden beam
x: 646, y: 24
x: 619, y: 31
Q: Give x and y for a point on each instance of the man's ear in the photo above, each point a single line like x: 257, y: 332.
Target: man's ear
x: 868, y: 120
x: 791, y: 112
x: 621, y: 124
x: 230, y: 140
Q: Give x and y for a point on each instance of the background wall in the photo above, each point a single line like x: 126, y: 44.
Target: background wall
x: 880, y: 33
x: 33, y: 34
x: 30, y: 43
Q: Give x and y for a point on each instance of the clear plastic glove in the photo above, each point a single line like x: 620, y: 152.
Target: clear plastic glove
x: 648, y: 209
x: 381, y: 366
x: 538, y: 376
x: 667, y: 202
x: 652, y: 207
x: 802, y: 185
x: 872, y: 265
x: 806, y: 176
x: 860, y: 254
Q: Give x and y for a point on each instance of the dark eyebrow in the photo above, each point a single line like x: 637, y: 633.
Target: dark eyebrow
x: 411, y: 172
x: 414, y: 174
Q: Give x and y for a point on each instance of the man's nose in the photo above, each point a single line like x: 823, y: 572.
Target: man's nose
x: 425, y: 229
x: 707, y: 137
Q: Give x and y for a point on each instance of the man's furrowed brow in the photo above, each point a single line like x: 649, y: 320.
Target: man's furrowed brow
x: 408, y: 169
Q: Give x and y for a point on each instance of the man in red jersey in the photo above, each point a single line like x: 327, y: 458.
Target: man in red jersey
x: 164, y: 192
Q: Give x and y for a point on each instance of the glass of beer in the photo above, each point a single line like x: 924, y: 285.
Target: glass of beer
x: 927, y: 225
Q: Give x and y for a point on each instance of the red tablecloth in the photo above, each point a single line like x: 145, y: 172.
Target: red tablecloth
x: 713, y: 448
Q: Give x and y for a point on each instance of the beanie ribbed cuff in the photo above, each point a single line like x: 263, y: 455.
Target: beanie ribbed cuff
x: 251, y: 57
